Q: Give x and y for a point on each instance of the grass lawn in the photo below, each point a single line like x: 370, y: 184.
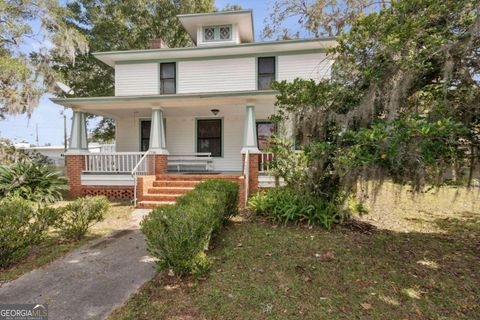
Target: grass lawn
x: 53, y: 247
x: 410, y: 258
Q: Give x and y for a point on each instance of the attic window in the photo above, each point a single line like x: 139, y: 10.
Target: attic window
x: 217, y: 33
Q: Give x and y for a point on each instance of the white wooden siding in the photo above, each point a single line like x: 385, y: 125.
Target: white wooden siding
x: 136, y: 79
x: 304, y: 66
x: 127, y: 134
x: 216, y: 75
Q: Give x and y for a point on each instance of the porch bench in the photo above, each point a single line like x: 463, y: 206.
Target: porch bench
x: 195, y: 159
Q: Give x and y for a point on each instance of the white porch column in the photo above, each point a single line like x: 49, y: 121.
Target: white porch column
x: 250, y: 131
x: 78, y: 136
x: 157, y: 133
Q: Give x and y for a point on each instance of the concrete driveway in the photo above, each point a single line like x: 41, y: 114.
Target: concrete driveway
x: 89, y: 282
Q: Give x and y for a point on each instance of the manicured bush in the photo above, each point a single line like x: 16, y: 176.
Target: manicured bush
x: 31, y: 180
x: 22, y: 224
x: 75, y: 218
x: 287, y: 205
x: 179, y: 235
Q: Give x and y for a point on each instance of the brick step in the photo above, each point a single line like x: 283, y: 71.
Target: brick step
x: 169, y: 190
x: 181, y: 177
x: 175, y: 183
x: 160, y: 197
x: 153, y: 204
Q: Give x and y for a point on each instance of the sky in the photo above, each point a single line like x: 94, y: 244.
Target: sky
x: 47, y: 116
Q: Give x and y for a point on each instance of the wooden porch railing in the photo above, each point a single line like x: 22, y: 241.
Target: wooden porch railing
x: 115, y: 162
x: 264, y: 162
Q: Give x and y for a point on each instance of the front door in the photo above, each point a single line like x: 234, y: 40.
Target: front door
x: 145, y: 134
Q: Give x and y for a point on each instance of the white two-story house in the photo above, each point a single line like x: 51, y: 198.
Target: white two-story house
x: 187, y: 114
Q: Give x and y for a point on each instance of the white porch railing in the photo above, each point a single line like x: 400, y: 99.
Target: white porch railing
x: 115, y: 162
x: 145, y: 166
x: 264, y: 163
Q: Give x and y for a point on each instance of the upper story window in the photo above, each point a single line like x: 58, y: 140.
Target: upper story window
x: 217, y: 33
x: 167, y: 78
x: 266, y: 72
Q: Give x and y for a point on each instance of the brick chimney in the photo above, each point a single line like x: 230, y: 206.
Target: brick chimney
x: 158, y: 44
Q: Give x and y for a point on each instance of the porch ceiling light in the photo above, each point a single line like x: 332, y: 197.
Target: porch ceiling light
x: 215, y: 111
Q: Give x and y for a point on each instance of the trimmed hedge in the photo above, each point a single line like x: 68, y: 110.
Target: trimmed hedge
x: 178, y: 235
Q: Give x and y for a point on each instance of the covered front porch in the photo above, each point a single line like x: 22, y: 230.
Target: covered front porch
x: 191, y: 135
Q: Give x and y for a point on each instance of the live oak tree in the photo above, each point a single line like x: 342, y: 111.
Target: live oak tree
x: 31, y: 33
x: 403, y: 101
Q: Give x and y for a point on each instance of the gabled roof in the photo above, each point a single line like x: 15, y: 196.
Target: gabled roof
x: 244, y: 19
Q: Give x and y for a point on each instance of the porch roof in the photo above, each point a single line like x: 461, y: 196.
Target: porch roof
x: 118, y: 106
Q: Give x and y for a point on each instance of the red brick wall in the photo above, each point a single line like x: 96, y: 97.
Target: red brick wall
x: 123, y: 193
x: 161, y: 163
x: 253, y: 172
x: 75, y: 164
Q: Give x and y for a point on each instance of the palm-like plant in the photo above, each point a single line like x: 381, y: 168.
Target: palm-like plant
x: 32, y: 181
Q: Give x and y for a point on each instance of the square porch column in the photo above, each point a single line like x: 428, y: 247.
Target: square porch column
x: 75, y: 155
x: 250, y: 146
x: 158, y: 142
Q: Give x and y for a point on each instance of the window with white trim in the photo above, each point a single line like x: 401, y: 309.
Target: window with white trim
x: 217, y: 33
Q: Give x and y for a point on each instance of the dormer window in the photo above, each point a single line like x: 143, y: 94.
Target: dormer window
x: 217, y: 33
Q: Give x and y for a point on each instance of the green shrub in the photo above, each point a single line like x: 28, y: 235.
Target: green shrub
x: 179, y: 235
x: 227, y: 188
x: 31, y: 180
x: 76, y: 217
x: 287, y: 205
x: 22, y: 224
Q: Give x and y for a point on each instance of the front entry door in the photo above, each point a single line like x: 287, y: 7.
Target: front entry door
x: 145, y: 134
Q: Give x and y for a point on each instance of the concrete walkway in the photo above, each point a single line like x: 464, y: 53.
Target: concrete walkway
x: 89, y: 282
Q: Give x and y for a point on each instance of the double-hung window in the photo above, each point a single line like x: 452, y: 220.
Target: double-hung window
x: 266, y: 72
x: 209, y: 136
x: 167, y: 78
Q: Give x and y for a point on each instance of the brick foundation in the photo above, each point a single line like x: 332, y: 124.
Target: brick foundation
x: 75, y: 165
x: 122, y: 193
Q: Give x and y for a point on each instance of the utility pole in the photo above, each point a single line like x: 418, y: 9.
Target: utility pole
x: 36, y: 130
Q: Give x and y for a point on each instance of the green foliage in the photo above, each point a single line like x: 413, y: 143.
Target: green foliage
x: 25, y: 75
x: 225, y: 187
x: 288, y: 164
x: 75, y: 218
x: 402, y: 102
x: 288, y: 205
x: 31, y: 180
x: 22, y: 224
x: 178, y: 235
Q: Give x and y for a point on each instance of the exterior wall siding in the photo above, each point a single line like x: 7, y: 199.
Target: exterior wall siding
x: 137, y: 79
x: 236, y: 74
x: 216, y: 75
x: 305, y: 66
x: 181, y: 135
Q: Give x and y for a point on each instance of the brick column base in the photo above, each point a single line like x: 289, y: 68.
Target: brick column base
x: 75, y: 165
x: 252, y: 170
x: 161, y: 163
